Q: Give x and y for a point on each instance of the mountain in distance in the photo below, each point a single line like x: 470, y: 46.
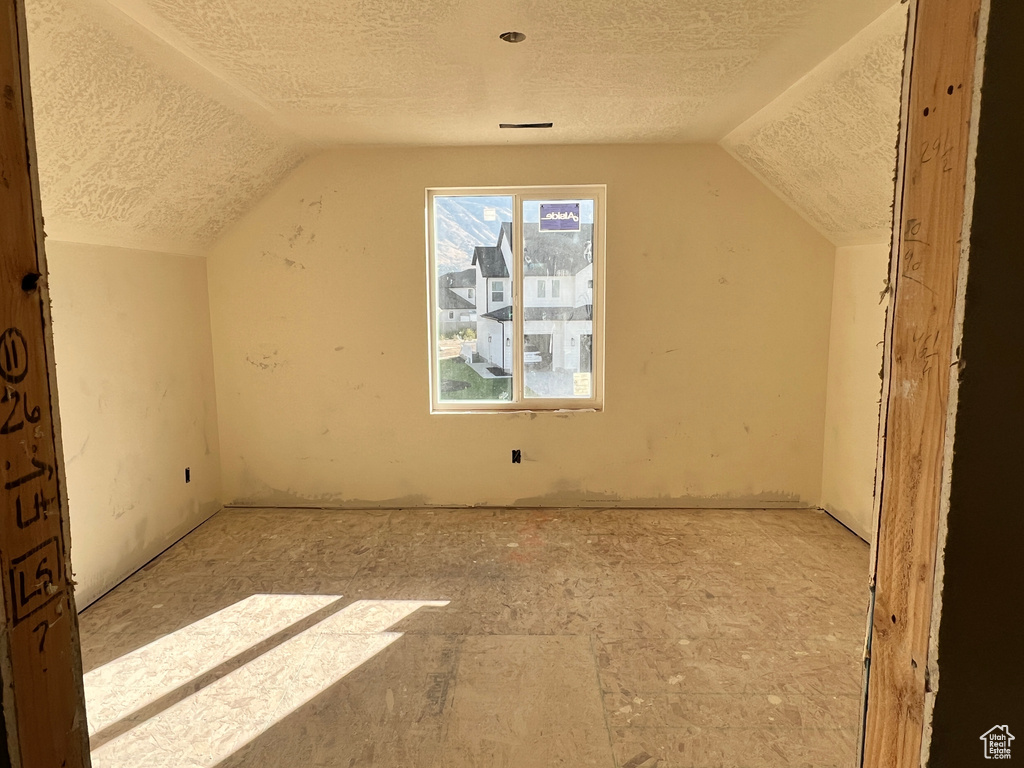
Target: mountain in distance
x: 460, y: 226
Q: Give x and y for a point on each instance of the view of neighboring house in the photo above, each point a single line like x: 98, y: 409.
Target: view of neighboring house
x: 494, y: 286
x: 557, y: 300
x: 456, y: 302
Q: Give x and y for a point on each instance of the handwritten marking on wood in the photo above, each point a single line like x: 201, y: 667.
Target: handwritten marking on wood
x: 934, y: 170
x: 32, y: 579
x: 41, y: 666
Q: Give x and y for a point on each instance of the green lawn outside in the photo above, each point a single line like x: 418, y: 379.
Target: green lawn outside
x: 478, y: 387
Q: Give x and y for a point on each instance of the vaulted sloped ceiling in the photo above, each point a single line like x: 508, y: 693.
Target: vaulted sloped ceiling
x: 138, y: 150
x: 159, y: 122
x: 828, y: 144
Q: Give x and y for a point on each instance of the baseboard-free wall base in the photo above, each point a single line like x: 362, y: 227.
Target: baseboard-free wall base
x: 83, y: 602
x: 585, y: 504
x: 780, y: 505
x: 849, y: 522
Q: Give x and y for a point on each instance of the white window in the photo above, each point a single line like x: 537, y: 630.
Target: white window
x: 521, y: 352
x: 472, y: 293
x: 451, y: 315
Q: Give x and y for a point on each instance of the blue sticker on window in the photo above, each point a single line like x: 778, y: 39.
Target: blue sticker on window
x: 559, y: 217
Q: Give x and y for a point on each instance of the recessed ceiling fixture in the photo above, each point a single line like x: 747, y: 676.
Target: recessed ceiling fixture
x: 512, y: 37
x: 525, y: 125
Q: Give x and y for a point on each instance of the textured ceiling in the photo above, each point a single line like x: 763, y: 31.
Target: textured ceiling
x: 828, y: 144
x: 130, y: 152
x: 159, y: 122
x: 365, y: 71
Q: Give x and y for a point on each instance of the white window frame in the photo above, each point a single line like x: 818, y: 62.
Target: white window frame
x: 497, y: 291
x: 520, y: 403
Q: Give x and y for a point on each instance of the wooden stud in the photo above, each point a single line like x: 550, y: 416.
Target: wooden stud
x: 933, y: 170
x: 40, y: 661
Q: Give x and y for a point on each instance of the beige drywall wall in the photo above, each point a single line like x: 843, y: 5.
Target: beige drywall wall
x: 717, y: 340
x: 131, y: 334
x: 854, y: 385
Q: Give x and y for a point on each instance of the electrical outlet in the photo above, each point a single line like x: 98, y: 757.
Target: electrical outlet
x: 517, y: 456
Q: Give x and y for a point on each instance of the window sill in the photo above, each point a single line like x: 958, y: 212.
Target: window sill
x: 500, y: 411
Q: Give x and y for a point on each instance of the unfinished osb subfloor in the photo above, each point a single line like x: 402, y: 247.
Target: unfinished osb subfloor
x: 631, y: 638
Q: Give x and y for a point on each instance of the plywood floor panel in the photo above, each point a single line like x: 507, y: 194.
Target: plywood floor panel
x: 605, y: 637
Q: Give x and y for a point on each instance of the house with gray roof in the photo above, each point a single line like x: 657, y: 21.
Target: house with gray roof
x: 558, y: 285
x: 456, y: 301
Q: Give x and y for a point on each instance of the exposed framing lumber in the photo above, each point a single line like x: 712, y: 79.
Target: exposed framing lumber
x: 40, y: 663
x: 934, y: 165
x: 975, y: 639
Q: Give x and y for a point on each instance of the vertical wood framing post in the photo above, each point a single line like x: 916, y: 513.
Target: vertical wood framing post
x: 40, y: 665
x: 934, y: 167
x: 977, y: 630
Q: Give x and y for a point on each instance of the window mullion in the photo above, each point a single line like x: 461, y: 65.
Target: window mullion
x: 518, y: 292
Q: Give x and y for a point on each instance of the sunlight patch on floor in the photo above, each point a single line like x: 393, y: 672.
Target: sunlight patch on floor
x: 208, y: 726
x: 121, y: 687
